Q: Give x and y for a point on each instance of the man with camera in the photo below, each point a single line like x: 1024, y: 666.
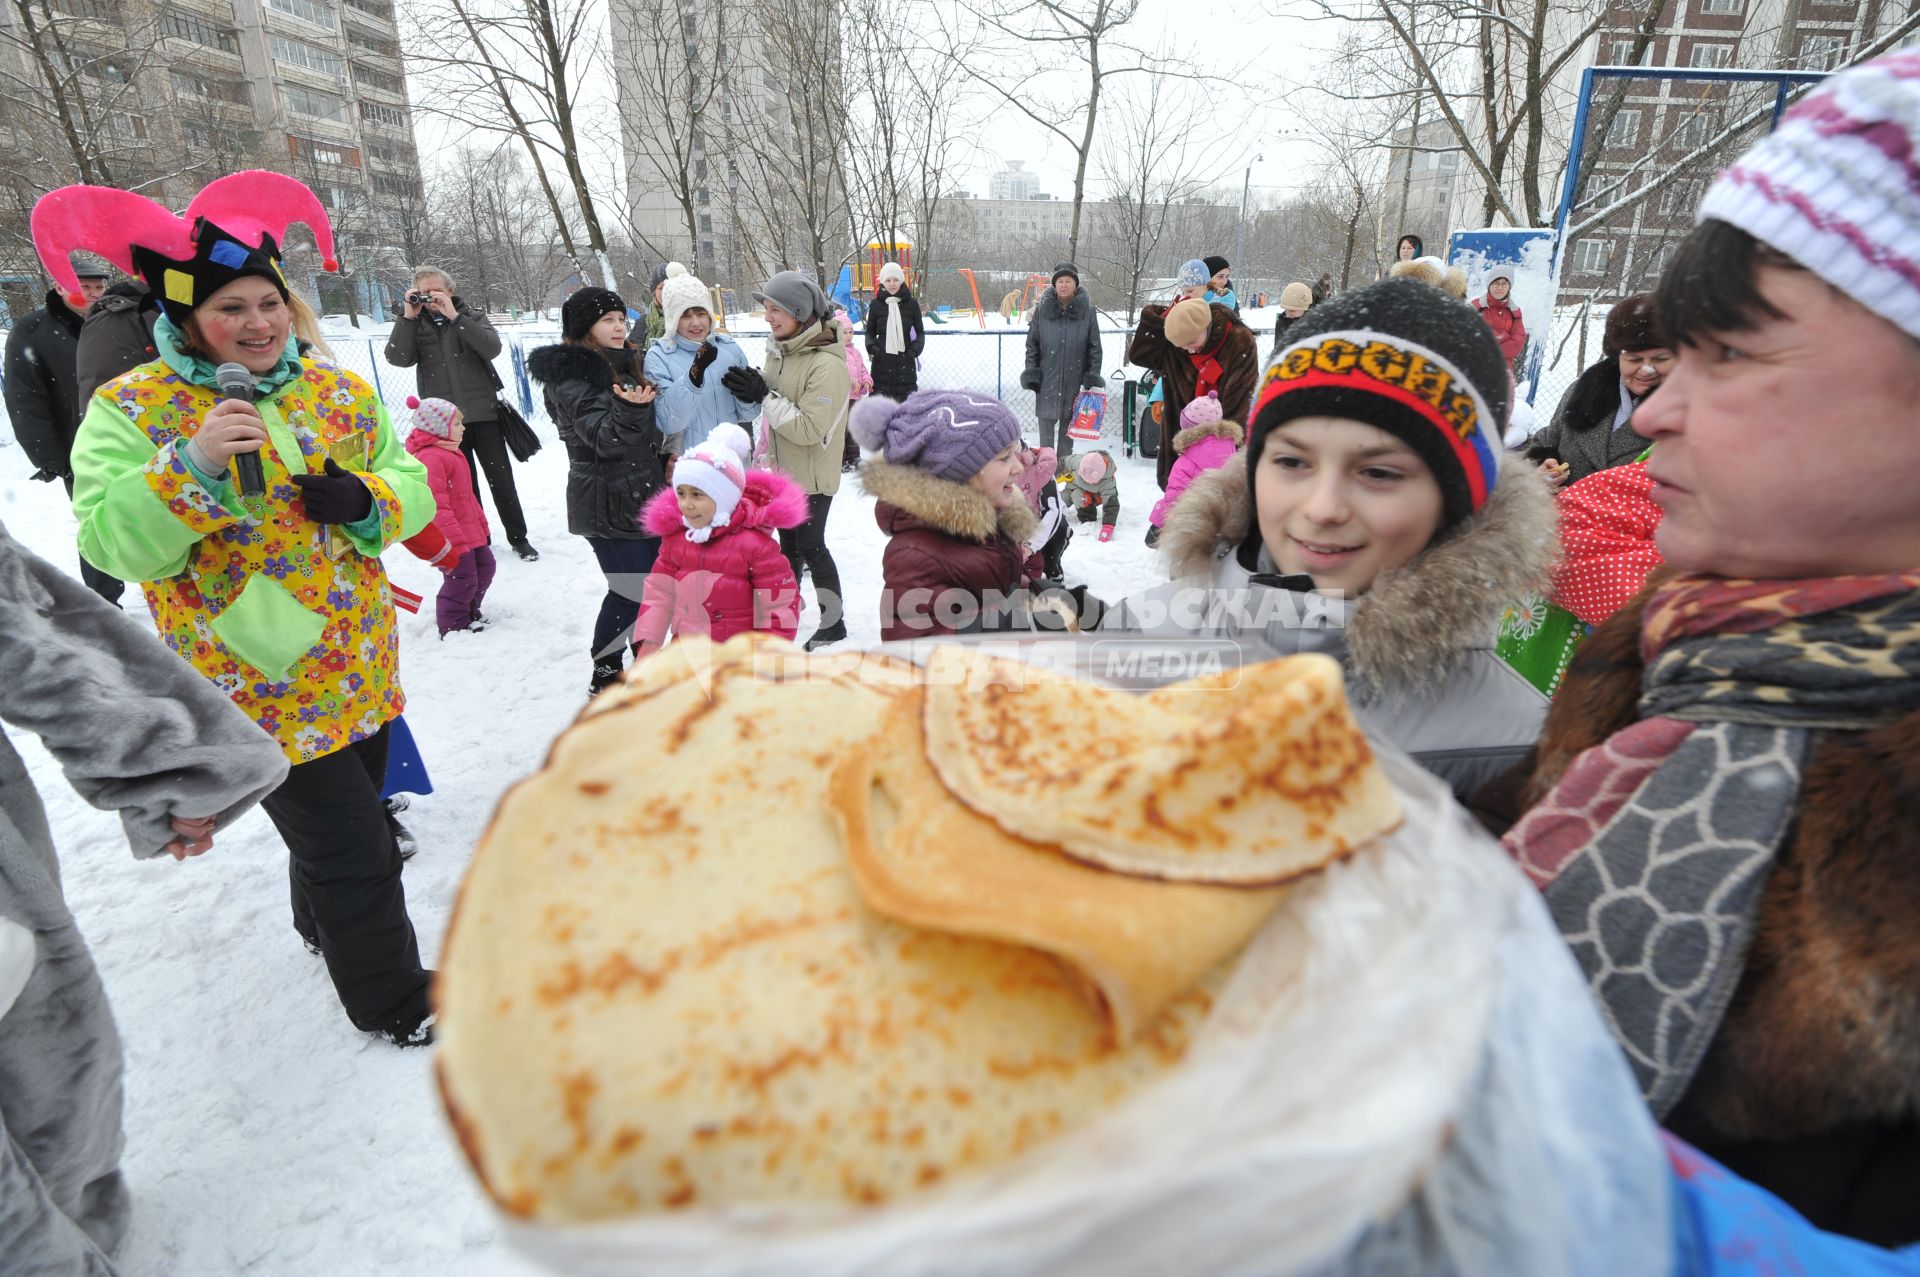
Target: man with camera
x: 453, y: 347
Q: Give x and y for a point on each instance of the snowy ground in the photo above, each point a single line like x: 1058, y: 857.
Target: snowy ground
x: 264, y: 1134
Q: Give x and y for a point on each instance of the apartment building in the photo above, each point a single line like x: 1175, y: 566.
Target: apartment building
x: 166, y: 96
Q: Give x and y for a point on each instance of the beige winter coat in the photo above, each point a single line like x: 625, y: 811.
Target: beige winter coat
x: 806, y: 405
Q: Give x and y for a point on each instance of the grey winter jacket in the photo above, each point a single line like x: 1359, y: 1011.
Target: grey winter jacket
x: 1063, y: 353
x: 1582, y: 433
x: 454, y: 358
x: 1418, y: 647
x: 117, y: 337
x: 135, y: 729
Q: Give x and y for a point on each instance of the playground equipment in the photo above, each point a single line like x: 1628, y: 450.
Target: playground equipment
x: 866, y: 274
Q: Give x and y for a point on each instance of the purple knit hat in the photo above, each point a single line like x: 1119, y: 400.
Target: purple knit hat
x: 950, y: 434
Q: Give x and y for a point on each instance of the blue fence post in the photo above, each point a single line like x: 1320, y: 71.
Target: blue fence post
x: 520, y: 379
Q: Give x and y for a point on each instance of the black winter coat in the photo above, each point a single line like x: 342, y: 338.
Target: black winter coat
x: 895, y: 376
x: 615, y: 455
x: 41, y: 395
x: 117, y: 337
x: 1063, y: 354
x: 454, y: 357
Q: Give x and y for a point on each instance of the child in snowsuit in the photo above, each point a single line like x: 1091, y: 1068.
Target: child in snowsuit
x: 720, y: 570
x: 435, y: 440
x: 1094, y: 493
x: 1206, y: 441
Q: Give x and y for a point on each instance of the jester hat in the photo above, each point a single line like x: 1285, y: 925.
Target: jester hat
x: 231, y: 229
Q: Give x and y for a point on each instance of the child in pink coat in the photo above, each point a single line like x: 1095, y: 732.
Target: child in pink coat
x: 1206, y: 441
x: 435, y: 440
x: 720, y: 571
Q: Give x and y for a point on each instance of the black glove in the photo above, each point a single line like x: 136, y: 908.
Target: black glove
x: 702, y: 359
x: 1153, y: 536
x: 334, y: 497
x: 1030, y: 379
x: 745, y: 384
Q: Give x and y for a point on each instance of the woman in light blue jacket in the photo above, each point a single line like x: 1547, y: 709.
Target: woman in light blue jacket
x: 689, y: 366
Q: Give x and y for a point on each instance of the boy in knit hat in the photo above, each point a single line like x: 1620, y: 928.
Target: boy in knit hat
x: 945, y: 466
x: 720, y: 571
x: 435, y: 440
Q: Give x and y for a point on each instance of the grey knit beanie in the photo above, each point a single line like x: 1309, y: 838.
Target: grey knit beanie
x: 799, y: 295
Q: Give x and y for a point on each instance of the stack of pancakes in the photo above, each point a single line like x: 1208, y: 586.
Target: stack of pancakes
x: 780, y: 928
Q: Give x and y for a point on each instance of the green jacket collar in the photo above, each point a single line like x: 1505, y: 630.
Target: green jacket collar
x: 188, y: 367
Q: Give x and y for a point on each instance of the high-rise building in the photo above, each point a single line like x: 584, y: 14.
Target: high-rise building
x: 1014, y: 183
x: 163, y: 97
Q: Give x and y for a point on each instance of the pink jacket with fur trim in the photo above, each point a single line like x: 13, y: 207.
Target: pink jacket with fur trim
x: 737, y: 580
x: 457, y: 511
x: 1200, y: 448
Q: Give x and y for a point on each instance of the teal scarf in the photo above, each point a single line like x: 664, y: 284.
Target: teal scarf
x: 168, y: 341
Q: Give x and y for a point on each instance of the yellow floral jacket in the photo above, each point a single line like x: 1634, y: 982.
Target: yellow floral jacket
x: 293, y: 622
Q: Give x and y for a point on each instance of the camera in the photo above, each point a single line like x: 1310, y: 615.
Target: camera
x: 418, y: 298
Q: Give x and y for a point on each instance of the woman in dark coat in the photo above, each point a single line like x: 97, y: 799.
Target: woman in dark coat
x: 603, y: 410
x: 895, y: 335
x: 1592, y: 429
x: 1063, y: 357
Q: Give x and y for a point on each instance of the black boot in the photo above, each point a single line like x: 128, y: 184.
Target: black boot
x: 605, y: 675
x: 827, y: 634
x: 524, y: 549
x: 419, y: 1033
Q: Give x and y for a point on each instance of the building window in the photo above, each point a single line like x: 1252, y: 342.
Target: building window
x: 380, y: 113
x: 1724, y: 8
x: 1711, y: 55
x: 1690, y: 131
x: 337, y: 154
x: 402, y: 186
x: 1822, y: 52
x: 1623, y: 53
x: 376, y: 79
x: 107, y: 11
x: 1624, y: 129
x: 197, y: 30
x: 301, y: 54
x: 193, y: 86
x: 1661, y: 256
x: 1590, y: 256
x: 392, y: 153
x: 372, y: 43
x: 315, y: 11
x: 1679, y: 198
x: 378, y: 8
x: 321, y: 106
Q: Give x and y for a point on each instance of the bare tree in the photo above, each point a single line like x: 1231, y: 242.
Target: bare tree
x: 520, y: 69
x: 1153, y: 168
x: 1082, y: 32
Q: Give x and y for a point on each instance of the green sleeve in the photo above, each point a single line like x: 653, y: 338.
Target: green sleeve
x: 402, y: 503
x: 140, y: 509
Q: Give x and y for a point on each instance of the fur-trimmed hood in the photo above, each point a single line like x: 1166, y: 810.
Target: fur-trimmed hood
x: 1079, y: 308
x: 769, y: 500
x: 1418, y: 623
x: 1229, y: 429
x: 564, y: 361
x: 910, y: 497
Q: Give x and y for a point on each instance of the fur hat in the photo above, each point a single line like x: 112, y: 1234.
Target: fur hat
x: 678, y: 295
x: 435, y: 416
x: 1064, y: 268
x: 1187, y: 322
x: 1202, y: 411
x: 1406, y: 358
x: 1837, y: 186
x: 583, y: 309
x: 1215, y: 265
x: 1431, y: 270
x: 951, y: 434
x: 715, y: 469
x: 1091, y: 468
x: 1632, y: 324
x: 892, y: 271
x: 231, y: 230
x: 799, y: 295
x: 1193, y: 274
x: 1296, y: 296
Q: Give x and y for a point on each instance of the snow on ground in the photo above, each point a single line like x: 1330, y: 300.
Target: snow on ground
x: 264, y: 1134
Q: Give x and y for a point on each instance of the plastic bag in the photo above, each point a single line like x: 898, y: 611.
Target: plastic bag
x: 1403, y: 1075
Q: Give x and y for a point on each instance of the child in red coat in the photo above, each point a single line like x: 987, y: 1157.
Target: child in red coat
x: 720, y: 570
x: 435, y: 440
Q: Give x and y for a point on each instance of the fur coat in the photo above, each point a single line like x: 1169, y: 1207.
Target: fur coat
x: 1811, y: 1088
x: 950, y: 556
x: 1417, y: 648
x: 1228, y: 340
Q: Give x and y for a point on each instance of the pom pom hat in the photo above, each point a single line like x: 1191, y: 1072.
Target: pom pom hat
x: 678, y: 295
x: 1202, y: 411
x: 715, y: 469
x: 951, y: 434
x: 435, y: 416
x: 231, y: 230
x: 1404, y: 357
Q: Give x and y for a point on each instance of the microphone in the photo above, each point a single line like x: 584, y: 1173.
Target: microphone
x: 237, y: 383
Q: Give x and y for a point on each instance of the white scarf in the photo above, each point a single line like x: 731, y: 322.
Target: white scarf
x: 896, y: 333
